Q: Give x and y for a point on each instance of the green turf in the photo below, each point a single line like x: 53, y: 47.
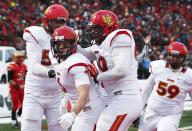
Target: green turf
x: 185, y: 121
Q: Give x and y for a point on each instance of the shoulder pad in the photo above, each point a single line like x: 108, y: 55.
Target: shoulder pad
x: 36, y: 33
x: 77, y: 63
x: 125, y: 33
x: 11, y: 66
x: 157, y: 66
x: 188, y: 77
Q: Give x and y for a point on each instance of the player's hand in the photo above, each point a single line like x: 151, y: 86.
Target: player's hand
x: 17, y: 86
x: 84, y: 43
x: 66, y: 120
x: 65, y: 106
x: 21, y: 86
x: 51, y: 74
x: 93, y: 69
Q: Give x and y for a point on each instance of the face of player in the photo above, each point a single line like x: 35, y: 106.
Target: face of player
x: 19, y: 60
x: 175, y: 61
x: 96, y: 33
x: 62, y: 49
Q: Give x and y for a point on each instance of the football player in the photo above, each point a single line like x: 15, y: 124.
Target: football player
x: 116, y: 70
x: 165, y: 91
x: 42, y: 94
x: 72, y: 76
x: 16, y: 77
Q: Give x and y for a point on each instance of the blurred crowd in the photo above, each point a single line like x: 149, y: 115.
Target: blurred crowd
x: 161, y: 20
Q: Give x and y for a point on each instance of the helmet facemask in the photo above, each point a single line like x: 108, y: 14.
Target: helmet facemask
x: 96, y: 33
x: 19, y: 59
x: 62, y: 49
x: 175, y: 60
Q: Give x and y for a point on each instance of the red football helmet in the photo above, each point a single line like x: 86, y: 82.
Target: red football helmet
x: 18, y: 57
x: 55, y: 16
x: 63, y: 43
x: 177, y: 53
x: 102, y: 23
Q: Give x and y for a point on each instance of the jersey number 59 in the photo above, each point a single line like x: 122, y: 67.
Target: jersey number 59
x: 171, y: 90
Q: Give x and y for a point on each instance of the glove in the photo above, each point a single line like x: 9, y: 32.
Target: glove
x: 65, y: 106
x: 17, y: 86
x: 102, y: 64
x: 93, y: 71
x: 84, y: 43
x: 66, y: 120
x: 51, y: 74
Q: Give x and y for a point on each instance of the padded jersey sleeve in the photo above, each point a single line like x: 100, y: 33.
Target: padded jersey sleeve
x: 148, y: 87
x: 121, y: 40
x: 79, y: 72
x: 34, y: 53
x: 157, y: 66
x: 121, y: 65
x: 188, y: 81
x: 10, y: 71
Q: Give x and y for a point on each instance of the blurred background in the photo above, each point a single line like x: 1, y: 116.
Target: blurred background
x: 156, y: 21
x: 153, y: 22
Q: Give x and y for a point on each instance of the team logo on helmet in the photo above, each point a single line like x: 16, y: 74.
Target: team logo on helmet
x: 59, y: 37
x: 108, y: 20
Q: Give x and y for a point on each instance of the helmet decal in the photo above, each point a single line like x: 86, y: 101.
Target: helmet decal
x: 108, y: 20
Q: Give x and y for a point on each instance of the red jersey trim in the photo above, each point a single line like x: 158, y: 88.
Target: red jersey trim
x: 120, y: 33
x: 77, y: 64
x: 31, y: 35
x: 184, y: 69
x: 63, y: 88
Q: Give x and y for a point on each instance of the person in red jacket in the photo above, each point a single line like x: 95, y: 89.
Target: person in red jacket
x: 16, y: 77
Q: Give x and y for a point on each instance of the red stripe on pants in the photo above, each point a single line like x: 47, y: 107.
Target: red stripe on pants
x: 94, y: 129
x: 117, y: 123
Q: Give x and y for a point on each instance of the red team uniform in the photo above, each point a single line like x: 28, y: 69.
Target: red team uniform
x: 17, y: 93
x: 16, y: 77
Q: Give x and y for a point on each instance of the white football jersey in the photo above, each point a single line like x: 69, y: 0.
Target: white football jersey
x: 157, y: 65
x: 105, y: 50
x: 72, y: 73
x: 169, y: 91
x: 38, y: 46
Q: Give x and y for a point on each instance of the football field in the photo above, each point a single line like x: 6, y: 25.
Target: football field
x: 185, y: 124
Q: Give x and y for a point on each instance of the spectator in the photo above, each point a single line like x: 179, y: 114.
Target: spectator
x: 166, y: 21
